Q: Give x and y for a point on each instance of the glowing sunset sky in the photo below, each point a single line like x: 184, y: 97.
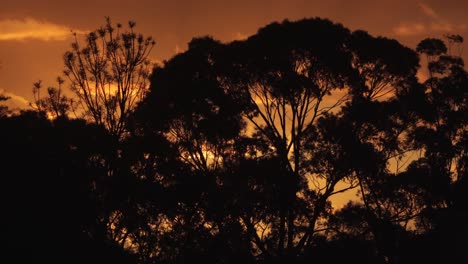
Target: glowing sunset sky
x: 34, y: 34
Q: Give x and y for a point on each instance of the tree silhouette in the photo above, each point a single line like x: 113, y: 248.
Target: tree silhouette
x: 442, y: 133
x: 318, y: 160
x: 55, y: 105
x: 375, y: 125
x: 236, y: 152
x: 109, y: 73
x: 198, y: 132
x: 286, y: 85
x: 52, y: 199
x: 301, y: 146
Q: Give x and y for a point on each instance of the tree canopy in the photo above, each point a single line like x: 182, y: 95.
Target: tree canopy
x: 237, y: 152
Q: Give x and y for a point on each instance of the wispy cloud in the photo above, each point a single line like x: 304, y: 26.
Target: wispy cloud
x: 434, y: 23
x: 30, y: 28
x: 408, y: 29
x: 15, y: 101
x: 428, y: 11
x: 411, y: 29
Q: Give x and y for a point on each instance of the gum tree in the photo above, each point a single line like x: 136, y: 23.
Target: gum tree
x: 109, y: 73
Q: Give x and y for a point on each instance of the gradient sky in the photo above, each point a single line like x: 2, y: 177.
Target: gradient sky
x: 34, y: 34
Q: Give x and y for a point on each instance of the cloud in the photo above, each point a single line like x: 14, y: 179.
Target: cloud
x: 447, y: 27
x: 410, y: 29
x: 30, y: 28
x: 428, y: 11
x: 433, y: 24
x: 15, y: 101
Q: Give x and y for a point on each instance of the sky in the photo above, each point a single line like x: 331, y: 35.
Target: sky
x: 34, y: 34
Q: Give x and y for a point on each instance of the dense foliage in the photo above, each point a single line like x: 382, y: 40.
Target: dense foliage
x: 238, y: 150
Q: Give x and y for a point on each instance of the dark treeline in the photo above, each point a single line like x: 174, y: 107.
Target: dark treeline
x: 236, y: 152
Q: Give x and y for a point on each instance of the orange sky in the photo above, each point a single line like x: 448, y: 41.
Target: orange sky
x: 35, y: 34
